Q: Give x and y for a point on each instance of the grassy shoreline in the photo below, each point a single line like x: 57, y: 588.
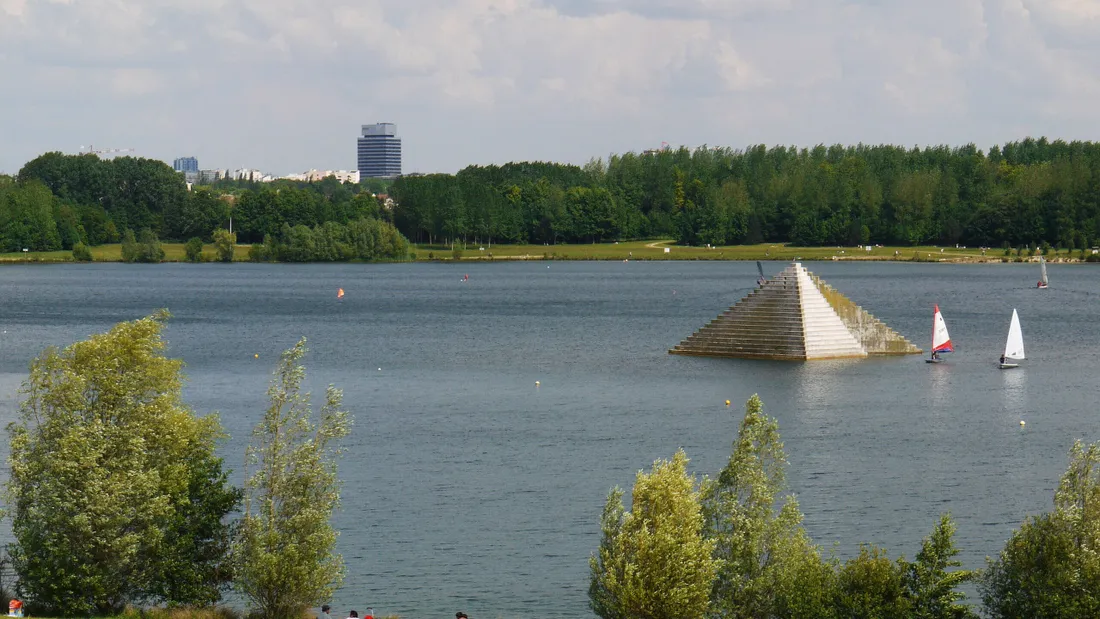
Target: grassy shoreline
x: 632, y: 250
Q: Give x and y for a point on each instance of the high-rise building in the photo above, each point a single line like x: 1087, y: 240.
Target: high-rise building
x: 186, y: 164
x: 379, y: 151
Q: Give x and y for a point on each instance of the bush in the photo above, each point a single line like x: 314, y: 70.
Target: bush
x: 257, y: 253
x: 81, y: 253
x: 225, y: 242
x: 193, y: 250
x: 456, y: 253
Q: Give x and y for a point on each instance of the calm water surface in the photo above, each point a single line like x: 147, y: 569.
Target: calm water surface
x: 469, y: 488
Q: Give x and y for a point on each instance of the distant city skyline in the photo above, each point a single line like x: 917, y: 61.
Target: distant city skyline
x: 548, y: 80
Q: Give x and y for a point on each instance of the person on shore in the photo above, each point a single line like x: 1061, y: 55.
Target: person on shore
x: 461, y: 615
x: 325, y: 608
x: 353, y: 615
x: 369, y: 614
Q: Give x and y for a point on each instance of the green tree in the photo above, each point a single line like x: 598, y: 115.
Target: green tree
x: 130, y: 249
x: 1050, y: 567
x: 81, y: 253
x: 930, y: 587
x: 770, y: 568
x: 115, y: 493
x: 653, y: 562
x: 869, y: 586
x: 193, y: 249
x: 224, y: 242
x: 284, y: 549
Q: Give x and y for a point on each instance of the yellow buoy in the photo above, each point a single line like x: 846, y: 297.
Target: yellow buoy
x: 1023, y: 423
x: 537, y: 383
x: 727, y: 402
x: 257, y: 355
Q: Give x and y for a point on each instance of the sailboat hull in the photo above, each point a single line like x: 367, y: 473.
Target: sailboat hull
x: 1009, y: 366
x: 933, y: 360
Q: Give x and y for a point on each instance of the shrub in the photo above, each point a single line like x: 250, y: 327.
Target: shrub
x: 81, y: 253
x: 193, y: 250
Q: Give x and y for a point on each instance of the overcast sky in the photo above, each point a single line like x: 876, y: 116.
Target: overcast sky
x: 284, y: 85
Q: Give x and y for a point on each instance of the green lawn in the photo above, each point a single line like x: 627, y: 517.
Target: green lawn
x: 655, y: 250
x: 634, y: 250
x: 173, y: 252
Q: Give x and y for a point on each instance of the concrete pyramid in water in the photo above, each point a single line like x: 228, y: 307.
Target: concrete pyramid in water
x: 795, y: 316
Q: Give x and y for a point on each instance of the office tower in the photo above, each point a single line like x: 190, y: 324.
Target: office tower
x: 379, y: 151
x: 186, y: 164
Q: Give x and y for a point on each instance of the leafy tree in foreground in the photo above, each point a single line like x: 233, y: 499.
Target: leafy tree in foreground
x: 770, y: 568
x: 930, y: 588
x: 869, y: 586
x: 653, y: 562
x: 1051, y: 566
x: 284, y: 548
x: 115, y: 493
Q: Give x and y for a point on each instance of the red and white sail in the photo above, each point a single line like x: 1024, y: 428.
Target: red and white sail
x: 941, y: 341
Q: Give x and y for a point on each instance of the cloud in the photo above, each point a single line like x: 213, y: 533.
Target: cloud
x: 284, y: 84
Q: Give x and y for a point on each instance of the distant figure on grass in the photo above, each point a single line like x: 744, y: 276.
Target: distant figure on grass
x: 324, y: 612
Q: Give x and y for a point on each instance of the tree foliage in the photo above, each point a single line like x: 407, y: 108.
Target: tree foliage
x: 770, y: 567
x: 930, y: 587
x: 825, y: 195
x: 653, y: 562
x: 1050, y: 567
x: 192, y: 250
x: 115, y: 492
x: 284, y: 547
x: 225, y: 243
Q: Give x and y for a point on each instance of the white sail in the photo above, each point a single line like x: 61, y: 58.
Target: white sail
x: 941, y: 341
x: 1043, y: 269
x: 1014, y: 347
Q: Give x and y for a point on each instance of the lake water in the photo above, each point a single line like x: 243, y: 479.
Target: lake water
x: 469, y: 488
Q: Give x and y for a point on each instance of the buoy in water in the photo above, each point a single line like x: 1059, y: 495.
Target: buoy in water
x: 537, y: 383
x: 257, y: 355
x: 727, y: 402
x: 1023, y: 423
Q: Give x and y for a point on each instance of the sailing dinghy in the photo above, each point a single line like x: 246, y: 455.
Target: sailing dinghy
x: 1014, y: 347
x: 1043, y: 271
x: 941, y: 341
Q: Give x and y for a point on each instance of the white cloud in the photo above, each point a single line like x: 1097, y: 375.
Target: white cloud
x: 284, y: 84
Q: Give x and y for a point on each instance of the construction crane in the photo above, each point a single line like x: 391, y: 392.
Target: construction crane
x: 91, y: 150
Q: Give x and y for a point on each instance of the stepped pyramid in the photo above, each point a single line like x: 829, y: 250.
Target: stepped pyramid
x: 795, y: 316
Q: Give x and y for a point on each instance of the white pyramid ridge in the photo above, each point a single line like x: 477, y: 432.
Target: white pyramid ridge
x: 824, y: 333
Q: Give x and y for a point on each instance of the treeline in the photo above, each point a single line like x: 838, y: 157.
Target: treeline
x: 118, y: 498
x: 1023, y: 192
x: 733, y: 547
x: 58, y: 201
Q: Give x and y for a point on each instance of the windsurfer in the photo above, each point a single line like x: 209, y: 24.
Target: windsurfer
x: 935, y: 355
x: 1003, y: 359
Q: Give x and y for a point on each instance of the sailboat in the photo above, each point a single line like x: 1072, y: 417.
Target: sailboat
x: 941, y: 341
x: 1014, y: 346
x: 1043, y: 270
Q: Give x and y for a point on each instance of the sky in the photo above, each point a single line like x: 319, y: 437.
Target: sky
x: 284, y: 85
